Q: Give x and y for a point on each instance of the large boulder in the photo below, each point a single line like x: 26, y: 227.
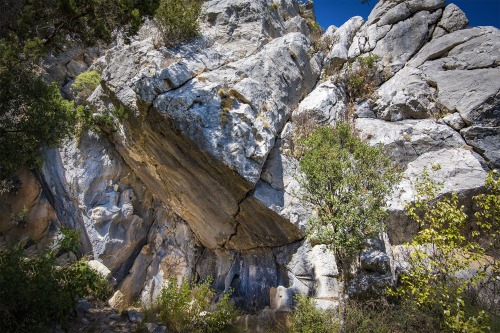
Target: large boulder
x: 453, y: 19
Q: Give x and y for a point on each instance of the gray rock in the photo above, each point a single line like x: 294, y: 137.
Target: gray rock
x: 458, y: 90
x: 396, y: 30
x: 403, y: 40
x: 153, y: 328
x: 390, y: 12
x: 199, y: 180
x: 100, y: 268
x: 485, y: 140
x: 363, y: 109
x: 134, y: 316
x: 281, y: 298
x: 454, y: 121
x: 312, y: 270
x: 326, y: 104
x: 406, y: 140
x: 75, y: 67
x: 453, y: 19
x: 365, y: 286
x: 406, y: 95
x: 342, y: 39
x: 448, y: 74
x: 437, y: 48
x: 297, y: 24
x: 375, y: 261
x: 82, y: 307
x: 228, y: 137
x: 458, y: 169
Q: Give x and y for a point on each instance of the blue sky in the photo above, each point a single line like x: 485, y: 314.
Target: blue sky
x: 336, y: 12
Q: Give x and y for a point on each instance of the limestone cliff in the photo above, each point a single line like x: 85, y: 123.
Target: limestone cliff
x: 198, y: 180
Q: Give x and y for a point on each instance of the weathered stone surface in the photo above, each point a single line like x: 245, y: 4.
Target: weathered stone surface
x: 224, y: 134
x: 458, y: 90
x: 375, y: 261
x: 486, y: 140
x: 406, y: 95
x: 244, y: 26
x: 454, y: 121
x: 456, y: 72
x: 342, y: 39
x: 153, y: 328
x: 458, y: 169
x: 453, y: 19
x: 396, y: 30
x: 406, y: 140
x: 134, y: 316
x: 258, y: 81
x: 326, y: 104
x: 172, y: 251
x: 390, y: 12
x: 99, y: 267
x: 26, y: 213
x: 312, y: 270
x: 278, y: 188
x: 369, y: 286
x: 403, y: 40
x: 98, y: 195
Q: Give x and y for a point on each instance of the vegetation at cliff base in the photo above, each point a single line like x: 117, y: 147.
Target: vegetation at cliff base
x: 306, y: 318
x: 39, y: 291
x: 187, y: 308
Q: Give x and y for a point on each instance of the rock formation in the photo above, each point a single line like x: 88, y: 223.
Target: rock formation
x: 199, y: 179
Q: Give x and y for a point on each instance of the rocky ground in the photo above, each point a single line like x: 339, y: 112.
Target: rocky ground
x: 96, y: 317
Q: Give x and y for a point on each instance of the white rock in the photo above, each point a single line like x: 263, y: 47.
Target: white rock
x: 100, y: 268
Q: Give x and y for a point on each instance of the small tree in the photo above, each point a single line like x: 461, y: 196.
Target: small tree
x: 447, y: 261
x: 347, y: 181
x: 33, y: 115
x: 177, y: 20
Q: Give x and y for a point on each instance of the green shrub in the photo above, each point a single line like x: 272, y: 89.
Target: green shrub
x: 307, y: 319
x: 185, y: 309
x: 85, y: 84
x: 177, y: 20
x: 361, y: 80
x: 120, y: 113
x: 38, y: 292
x: 33, y: 115
x: 446, y: 247
x: 102, y: 122
x: 347, y: 181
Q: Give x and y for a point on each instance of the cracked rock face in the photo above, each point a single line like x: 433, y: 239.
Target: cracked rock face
x: 199, y: 178
x: 203, y: 123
